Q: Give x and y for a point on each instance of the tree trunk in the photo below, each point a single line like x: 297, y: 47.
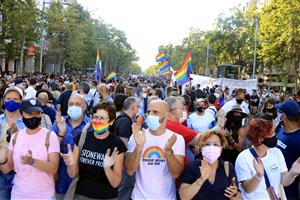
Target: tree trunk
x: 21, y: 57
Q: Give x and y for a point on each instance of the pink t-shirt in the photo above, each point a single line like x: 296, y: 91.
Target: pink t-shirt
x: 29, y: 182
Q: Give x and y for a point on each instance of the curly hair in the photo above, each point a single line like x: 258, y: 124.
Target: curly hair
x: 258, y: 129
x: 222, y: 138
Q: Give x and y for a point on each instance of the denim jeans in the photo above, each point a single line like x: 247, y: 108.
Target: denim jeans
x: 6, y: 184
x: 126, y: 186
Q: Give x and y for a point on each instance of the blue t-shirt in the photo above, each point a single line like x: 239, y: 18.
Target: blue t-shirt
x: 289, y: 143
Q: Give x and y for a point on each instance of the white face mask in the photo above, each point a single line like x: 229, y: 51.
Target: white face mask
x: 183, y: 118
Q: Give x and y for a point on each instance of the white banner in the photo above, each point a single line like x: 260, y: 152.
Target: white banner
x: 232, y: 84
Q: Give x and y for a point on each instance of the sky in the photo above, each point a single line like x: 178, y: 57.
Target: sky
x: 149, y: 24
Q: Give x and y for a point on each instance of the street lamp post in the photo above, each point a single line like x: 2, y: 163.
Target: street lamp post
x: 206, y: 62
x: 255, y: 41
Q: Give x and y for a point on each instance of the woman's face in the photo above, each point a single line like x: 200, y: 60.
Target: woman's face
x: 101, y: 115
x: 32, y: 114
x: 213, y: 140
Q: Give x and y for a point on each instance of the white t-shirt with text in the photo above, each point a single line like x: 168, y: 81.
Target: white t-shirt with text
x: 274, y: 165
x: 153, y: 178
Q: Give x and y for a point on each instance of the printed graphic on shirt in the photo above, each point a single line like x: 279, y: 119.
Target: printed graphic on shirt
x: 154, y: 155
x: 92, y: 158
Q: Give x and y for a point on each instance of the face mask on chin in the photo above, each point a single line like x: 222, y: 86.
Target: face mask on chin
x: 183, y: 118
x: 270, y: 142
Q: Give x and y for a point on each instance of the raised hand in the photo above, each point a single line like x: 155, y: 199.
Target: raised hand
x: 27, y: 159
x: 259, y: 167
x: 170, y: 143
x: 296, y: 167
x: 69, y: 158
x: 205, y: 170
x: 61, y: 124
x: 14, y: 128
x: 3, y: 154
x: 138, y: 135
x: 109, y: 160
x: 232, y: 190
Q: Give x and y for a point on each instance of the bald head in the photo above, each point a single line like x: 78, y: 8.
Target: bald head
x: 43, y: 98
x: 159, y: 105
x: 77, y: 100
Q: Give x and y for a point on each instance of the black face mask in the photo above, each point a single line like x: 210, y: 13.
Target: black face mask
x: 270, y: 142
x: 200, y: 109
x: 236, y: 119
x: 32, y: 123
x: 239, y: 101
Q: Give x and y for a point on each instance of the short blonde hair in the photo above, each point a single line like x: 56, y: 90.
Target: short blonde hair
x: 222, y: 138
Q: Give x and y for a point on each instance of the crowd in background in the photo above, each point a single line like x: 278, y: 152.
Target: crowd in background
x: 142, y: 137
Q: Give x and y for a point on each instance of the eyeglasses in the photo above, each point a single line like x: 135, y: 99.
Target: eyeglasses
x: 206, y: 144
x: 95, y: 118
x: 179, y: 108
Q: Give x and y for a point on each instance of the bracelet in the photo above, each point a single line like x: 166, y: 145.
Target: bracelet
x: 4, y: 162
x: 258, y: 178
x: 60, y: 136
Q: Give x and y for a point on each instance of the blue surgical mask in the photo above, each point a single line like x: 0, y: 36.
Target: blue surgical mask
x: 153, y: 122
x: 75, y: 112
x: 12, y: 106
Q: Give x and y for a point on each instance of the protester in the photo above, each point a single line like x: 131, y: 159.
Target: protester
x: 289, y: 140
x: 254, y: 102
x: 104, y: 93
x: 31, y: 91
x: 43, y: 99
x: 206, y: 119
x: 62, y: 102
x: 67, y: 128
x: 210, y: 177
x: 155, y: 154
x: 33, y: 154
x: 262, y: 161
x: 235, y: 134
x: 10, y: 122
x: 238, y: 100
x: 99, y: 175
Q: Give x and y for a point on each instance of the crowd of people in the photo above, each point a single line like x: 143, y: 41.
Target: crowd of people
x: 141, y: 137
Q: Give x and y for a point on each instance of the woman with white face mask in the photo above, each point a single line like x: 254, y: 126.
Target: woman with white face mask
x: 210, y: 177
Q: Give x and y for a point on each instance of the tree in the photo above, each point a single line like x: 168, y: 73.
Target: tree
x: 21, y: 24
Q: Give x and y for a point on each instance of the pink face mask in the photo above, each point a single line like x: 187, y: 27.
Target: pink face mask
x: 211, y: 153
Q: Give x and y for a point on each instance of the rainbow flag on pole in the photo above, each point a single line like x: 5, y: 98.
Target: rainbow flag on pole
x: 160, y: 57
x: 183, y: 73
x: 98, y: 67
x: 112, y: 75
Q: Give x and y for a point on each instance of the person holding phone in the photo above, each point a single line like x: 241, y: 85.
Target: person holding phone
x: 210, y: 177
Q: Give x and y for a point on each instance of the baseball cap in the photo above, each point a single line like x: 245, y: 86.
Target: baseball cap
x: 19, y: 80
x: 31, y: 105
x: 289, y: 107
x: 14, y: 88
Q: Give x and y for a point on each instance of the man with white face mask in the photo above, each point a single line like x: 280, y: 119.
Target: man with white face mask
x: 67, y: 128
x: 175, y: 117
x: 155, y: 154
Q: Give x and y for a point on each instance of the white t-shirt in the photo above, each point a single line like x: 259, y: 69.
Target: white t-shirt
x: 211, y: 110
x: 201, y: 123
x: 274, y: 165
x: 153, y: 178
x: 228, y: 106
x: 30, y: 93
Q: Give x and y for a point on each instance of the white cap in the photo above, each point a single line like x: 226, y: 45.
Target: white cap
x: 14, y: 88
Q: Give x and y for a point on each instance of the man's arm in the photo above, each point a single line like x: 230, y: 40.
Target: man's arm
x: 132, y: 161
x: 175, y: 164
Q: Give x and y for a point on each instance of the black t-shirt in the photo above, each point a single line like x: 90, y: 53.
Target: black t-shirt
x: 213, y: 191
x: 63, y: 101
x: 122, y: 126
x: 93, y: 182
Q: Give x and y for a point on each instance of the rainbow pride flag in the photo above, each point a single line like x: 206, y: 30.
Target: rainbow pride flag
x: 112, y: 75
x: 160, y: 57
x: 98, y: 67
x: 167, y: 73
x: 183, y: 73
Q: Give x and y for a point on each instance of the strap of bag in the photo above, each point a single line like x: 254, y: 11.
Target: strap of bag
x: 15, y: 138
x: 72, y: 188
x: 267, y: 181
x: 47, y: 140
x: 83, y: 137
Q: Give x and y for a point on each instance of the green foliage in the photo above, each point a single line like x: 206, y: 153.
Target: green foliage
x: 21, y: 24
